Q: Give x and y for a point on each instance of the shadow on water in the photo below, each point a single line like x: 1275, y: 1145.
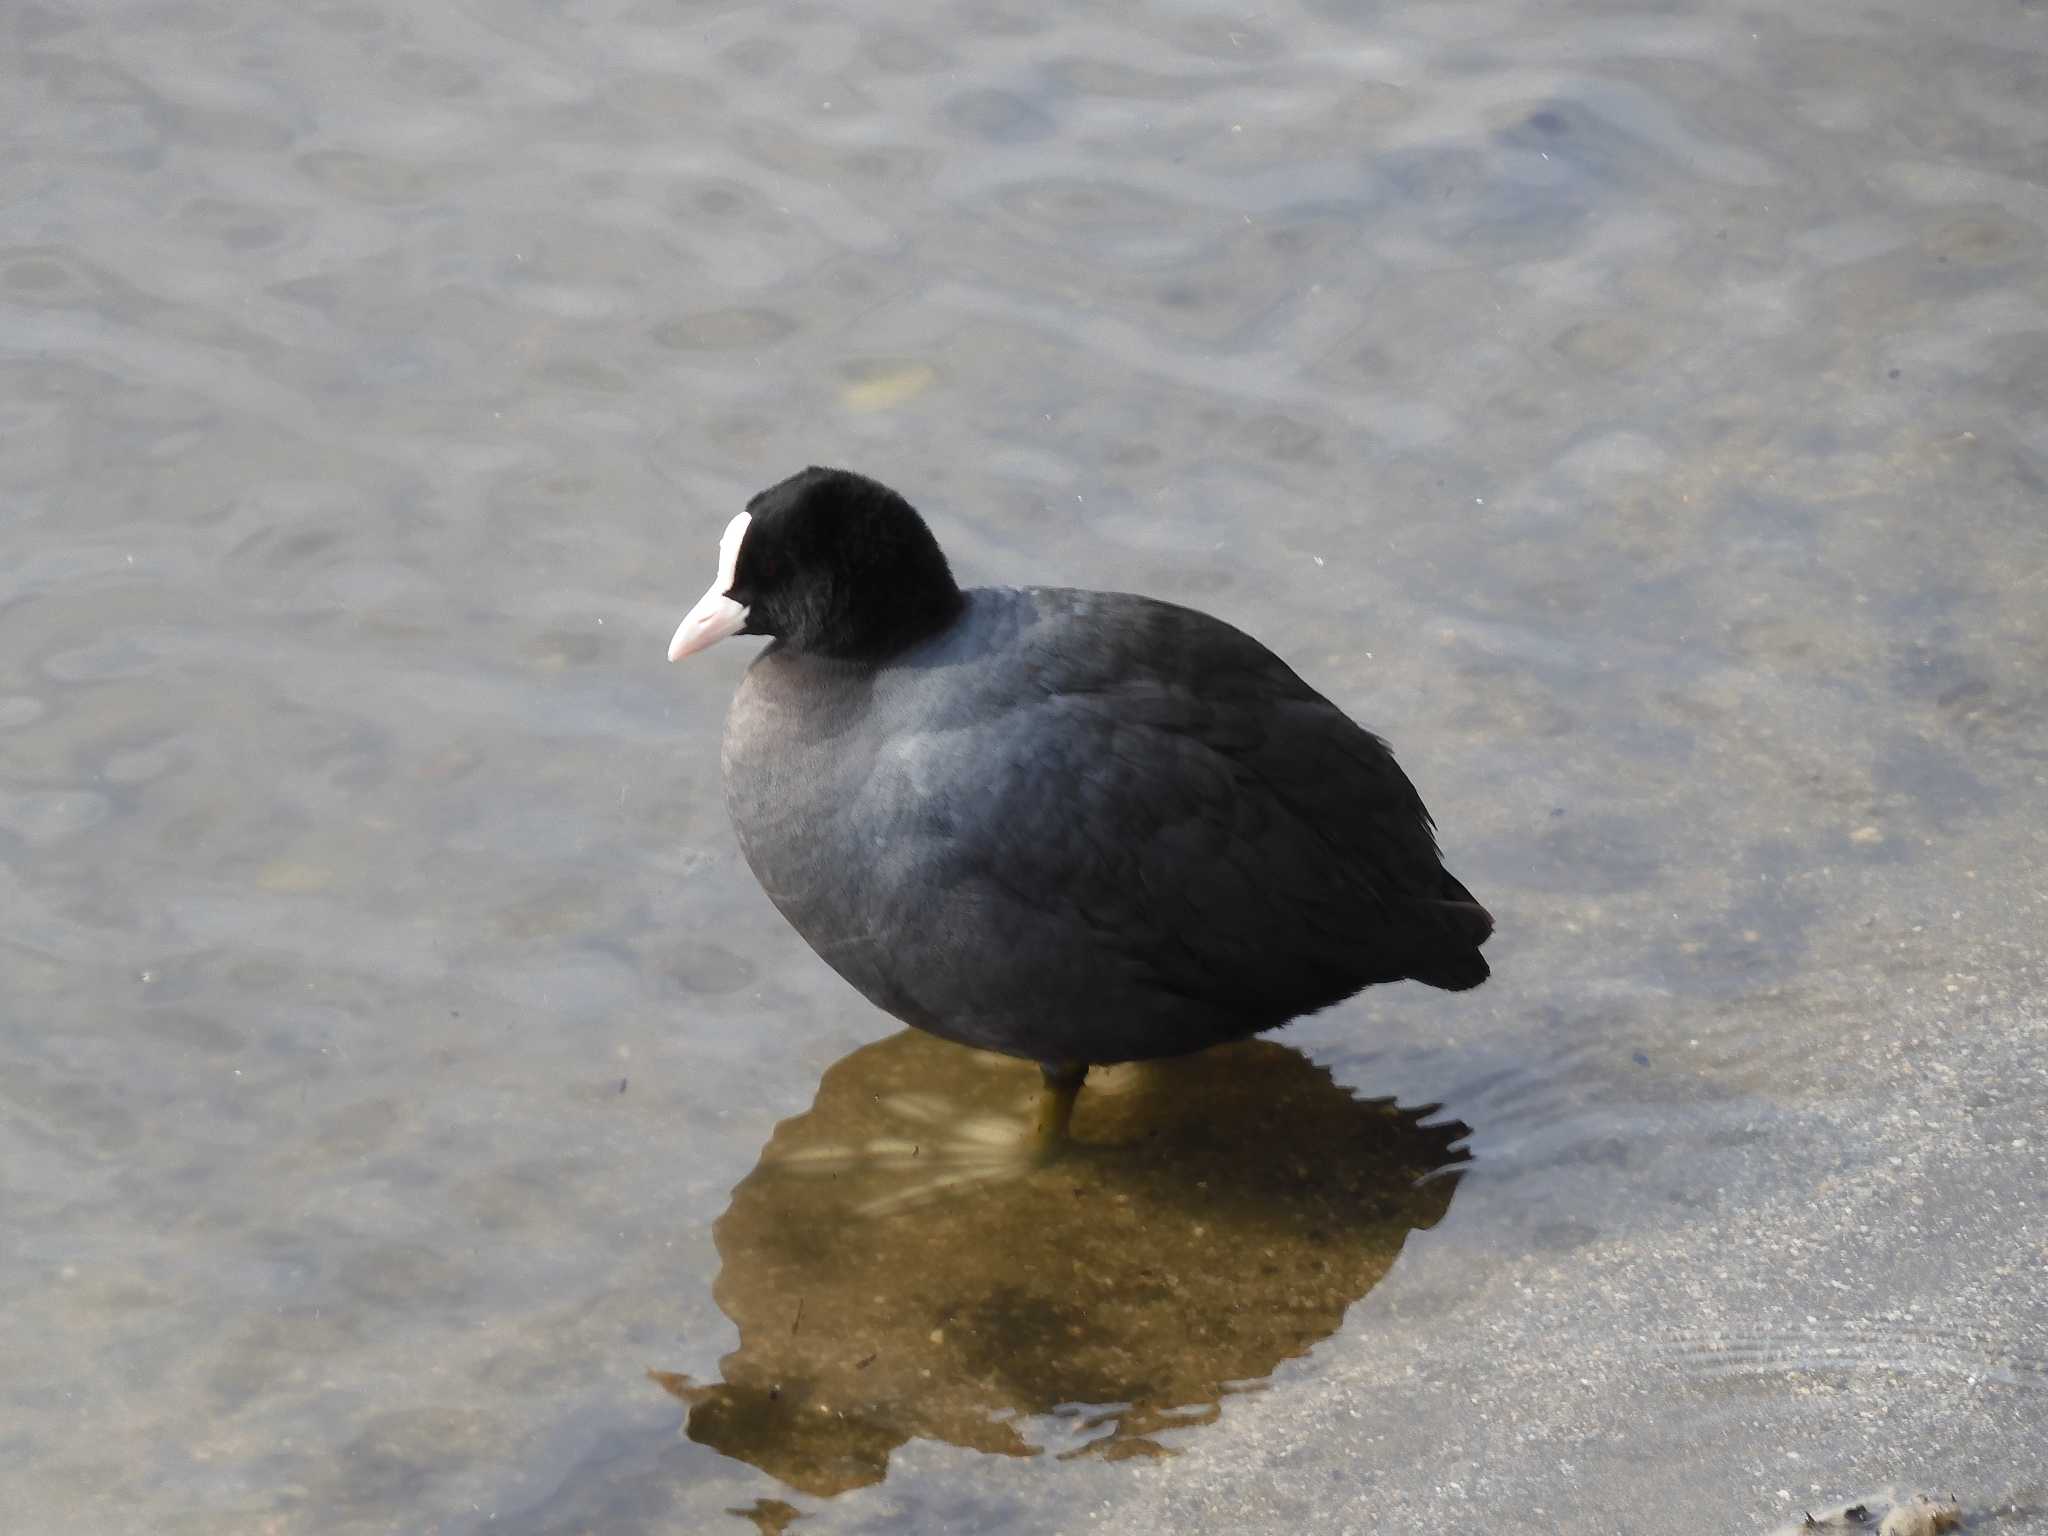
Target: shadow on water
x: 898, y: 1269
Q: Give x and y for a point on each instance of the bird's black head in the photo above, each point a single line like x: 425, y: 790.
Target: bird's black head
x: 828, y: 562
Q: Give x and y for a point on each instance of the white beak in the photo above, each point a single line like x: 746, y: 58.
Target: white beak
x: 716, y: 615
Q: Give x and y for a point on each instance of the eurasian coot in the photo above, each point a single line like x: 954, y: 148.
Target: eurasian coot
x: 1071, y: 826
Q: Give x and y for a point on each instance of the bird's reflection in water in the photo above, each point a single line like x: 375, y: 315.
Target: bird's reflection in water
x: 898, y: 1266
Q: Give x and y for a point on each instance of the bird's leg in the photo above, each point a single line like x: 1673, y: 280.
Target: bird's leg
x: 1056, y: 1104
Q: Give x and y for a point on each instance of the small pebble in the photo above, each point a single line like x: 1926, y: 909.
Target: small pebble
x: 1920, y: 1516
x: 1913, y: 1515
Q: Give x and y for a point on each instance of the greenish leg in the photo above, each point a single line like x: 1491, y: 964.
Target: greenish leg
x: 1056, y: 1104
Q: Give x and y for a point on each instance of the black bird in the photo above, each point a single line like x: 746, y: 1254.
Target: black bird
x: 1071, y: 826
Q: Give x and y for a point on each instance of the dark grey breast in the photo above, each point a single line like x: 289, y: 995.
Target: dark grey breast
x: 1088, y: 826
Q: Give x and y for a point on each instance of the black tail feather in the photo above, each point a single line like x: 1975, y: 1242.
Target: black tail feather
x: 1454, y: 971
x: 1456, y: 965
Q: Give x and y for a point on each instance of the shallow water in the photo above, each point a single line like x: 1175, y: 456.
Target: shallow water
x: 900, y: 1266
x: 1639, y: 416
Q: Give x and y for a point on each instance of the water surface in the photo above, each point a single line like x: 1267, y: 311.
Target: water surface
x: 1639, y: 415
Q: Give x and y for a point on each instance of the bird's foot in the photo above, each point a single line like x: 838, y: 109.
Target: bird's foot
x: 1056, y: 1107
